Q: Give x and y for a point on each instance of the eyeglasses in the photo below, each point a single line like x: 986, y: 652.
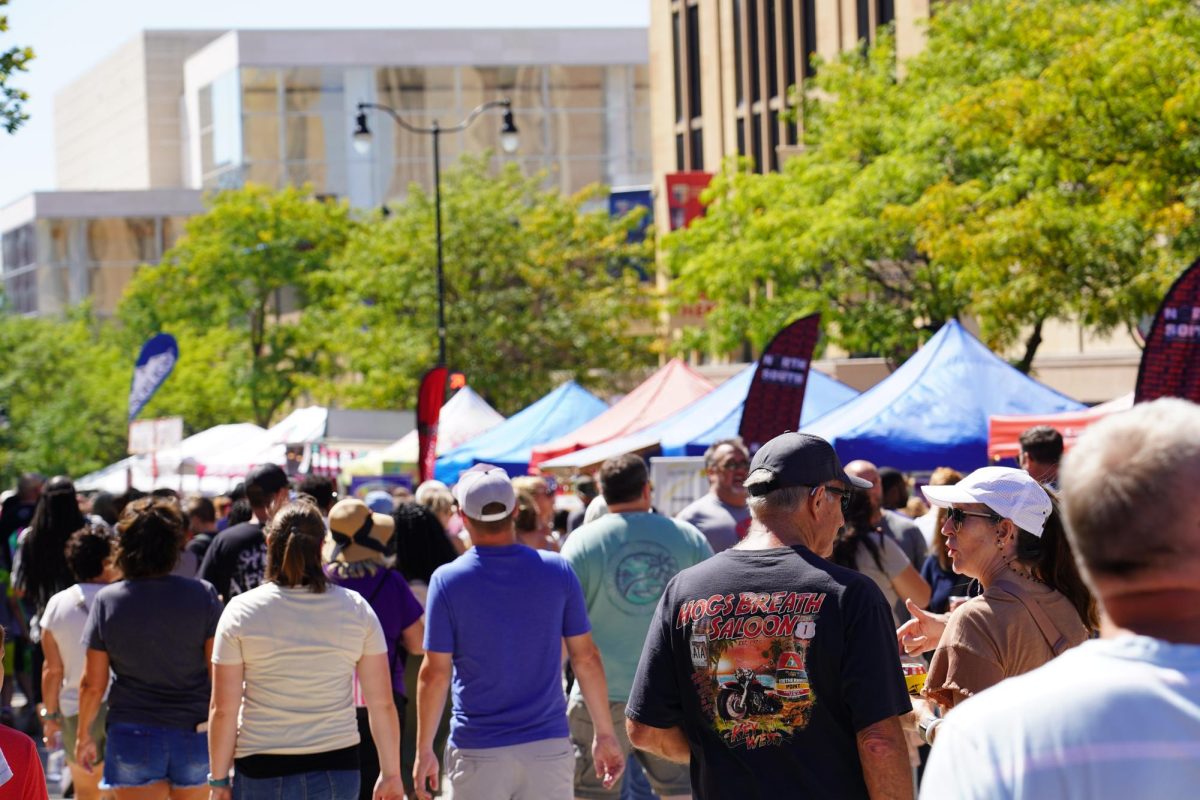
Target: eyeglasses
x: 958, y: 516
x: 843, y: 493
x: 729, y: 466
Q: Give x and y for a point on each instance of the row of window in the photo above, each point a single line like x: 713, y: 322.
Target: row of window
x: 774, y: 43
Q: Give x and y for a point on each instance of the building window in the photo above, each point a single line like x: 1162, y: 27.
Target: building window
x: 680, y: 160
x: 19, y: 249
x: 752, y: 49
x: 864, y: 21
x: 770, y: 31
x: 677, y: 52
x: 739, y: 89
x: 885, y: 12
x: 809, y: 31
x: 789, y: 44
x: 685, y: 38
x: 693, y: 61
x: 697, y: 148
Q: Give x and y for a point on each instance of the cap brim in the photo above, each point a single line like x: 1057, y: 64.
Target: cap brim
x: 858, y: 483
x: 946, y: 496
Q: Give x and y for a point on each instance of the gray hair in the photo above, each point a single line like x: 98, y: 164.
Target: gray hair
x: 1126, y: 483
x: 710, y: 455
x: 777, y: 501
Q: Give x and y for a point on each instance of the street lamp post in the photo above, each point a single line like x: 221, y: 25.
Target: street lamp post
x: 508, y: 142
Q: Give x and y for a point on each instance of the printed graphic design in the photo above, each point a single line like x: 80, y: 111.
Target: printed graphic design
x: 748, y: 658
x: 642, y: 571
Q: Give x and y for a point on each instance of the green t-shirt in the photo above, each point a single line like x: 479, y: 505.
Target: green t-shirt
x: 624, y: 562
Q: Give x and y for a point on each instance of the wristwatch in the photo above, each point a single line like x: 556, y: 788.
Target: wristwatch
x: 927, y: 726
x: 218, y: 783
x: 50, y: 716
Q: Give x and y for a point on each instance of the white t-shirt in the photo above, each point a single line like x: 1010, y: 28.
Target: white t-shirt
x: 66, y: 613
x: 1117, y: 718
x: 300, y: 650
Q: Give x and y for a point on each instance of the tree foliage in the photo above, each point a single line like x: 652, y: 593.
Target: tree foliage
x: 538, y: 288
x: 63, y: 386
x: 233, y: 292
x: 1037, y: 161
x: 12, y: 99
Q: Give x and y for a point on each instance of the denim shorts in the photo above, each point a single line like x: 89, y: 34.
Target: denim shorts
x: 338, y: 784
x: 139, y: 755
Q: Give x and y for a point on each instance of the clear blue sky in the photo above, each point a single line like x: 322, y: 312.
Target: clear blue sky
x: 70, y: 36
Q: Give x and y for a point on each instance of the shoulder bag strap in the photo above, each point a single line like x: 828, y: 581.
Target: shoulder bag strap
x: 1054, y: 637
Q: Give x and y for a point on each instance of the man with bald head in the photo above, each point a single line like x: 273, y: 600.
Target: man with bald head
x: 1118, y: 717
x: 899, y: 527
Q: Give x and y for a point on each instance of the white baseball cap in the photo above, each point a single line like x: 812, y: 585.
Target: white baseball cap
x: 484, y: 485
x: 1011, y: 493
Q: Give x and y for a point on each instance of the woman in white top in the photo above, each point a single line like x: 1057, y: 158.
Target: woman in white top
x: 872, y: 551
x: 89, y: 556
x: 285, y: 655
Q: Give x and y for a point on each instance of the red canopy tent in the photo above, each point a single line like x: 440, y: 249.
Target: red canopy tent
x: 1004, y: 432
x: 662, y: 394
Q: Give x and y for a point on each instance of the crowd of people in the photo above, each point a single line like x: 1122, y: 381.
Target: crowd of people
x: 802, y: 629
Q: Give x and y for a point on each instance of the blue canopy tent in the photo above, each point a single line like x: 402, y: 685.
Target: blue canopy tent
x: 822, y: 395
x: 933, y: 411
x: 508, y: 445
x: 714, y: 416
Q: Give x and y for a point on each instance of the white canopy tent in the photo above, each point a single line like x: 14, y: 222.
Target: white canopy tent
x: 176, y: 467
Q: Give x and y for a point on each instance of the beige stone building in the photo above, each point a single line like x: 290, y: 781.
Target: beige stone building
x: 720, y: 72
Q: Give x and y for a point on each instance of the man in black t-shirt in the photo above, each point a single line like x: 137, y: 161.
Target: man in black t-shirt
x: 237, y: 557
x: 775, y: 672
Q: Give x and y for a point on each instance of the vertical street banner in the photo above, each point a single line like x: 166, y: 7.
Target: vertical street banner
x: 776, y: 394
x: 1171, y: 359
x: 154, y: 364
x: 683, y: 197
x: 430, y: 398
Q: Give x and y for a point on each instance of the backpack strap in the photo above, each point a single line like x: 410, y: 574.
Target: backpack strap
x: 1054, y: 637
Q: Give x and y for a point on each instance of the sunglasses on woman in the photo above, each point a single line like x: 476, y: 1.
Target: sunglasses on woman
x: 958, y: 516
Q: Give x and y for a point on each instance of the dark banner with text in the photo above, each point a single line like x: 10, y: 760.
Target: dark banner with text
x: 776, y: 394
x: 430, y: 398
x: 1171, y: 360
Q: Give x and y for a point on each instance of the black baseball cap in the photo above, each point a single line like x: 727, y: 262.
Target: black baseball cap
x: 799, y: 459
x: 267, y: 478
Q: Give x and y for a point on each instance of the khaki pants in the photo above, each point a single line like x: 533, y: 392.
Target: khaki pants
x: 666, y: 778
x: 541, y: 770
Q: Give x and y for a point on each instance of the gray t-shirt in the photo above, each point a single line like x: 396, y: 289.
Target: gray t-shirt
x: 906, y: 534
x: 722, y: 524
x: 154, y: 631
x: 892, y: 562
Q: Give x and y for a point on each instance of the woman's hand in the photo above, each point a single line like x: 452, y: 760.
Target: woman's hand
x: 921, y: 633
x: 85, y: 750
x: 222, y: 793
x: 389, y: 788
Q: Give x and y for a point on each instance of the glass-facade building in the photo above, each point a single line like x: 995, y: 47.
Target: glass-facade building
x: 279, y: 126
x: 277, y: 108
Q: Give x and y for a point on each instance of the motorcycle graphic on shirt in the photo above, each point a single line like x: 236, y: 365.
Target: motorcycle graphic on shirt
x: 748, y: 656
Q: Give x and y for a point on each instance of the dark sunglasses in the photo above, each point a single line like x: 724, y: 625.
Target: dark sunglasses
x: 958, y: 516
x: 844, y: 494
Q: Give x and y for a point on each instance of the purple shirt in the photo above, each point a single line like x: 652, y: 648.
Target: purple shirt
x: 393, y: 602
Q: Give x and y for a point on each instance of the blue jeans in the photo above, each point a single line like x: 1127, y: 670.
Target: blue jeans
x: 340, y: 784
x: 139, y: 755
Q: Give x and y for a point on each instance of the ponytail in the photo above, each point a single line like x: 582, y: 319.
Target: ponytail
x: 294, y: 540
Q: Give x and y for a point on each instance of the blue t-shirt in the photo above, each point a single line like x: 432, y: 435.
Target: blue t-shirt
x: 502, y: 613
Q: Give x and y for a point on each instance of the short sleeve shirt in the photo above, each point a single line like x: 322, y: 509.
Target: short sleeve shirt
x: 394, y: 604
x: 771, y: 661
x: 724, y: 525
x: 993, y: 637
x: 502, y: 613
x: 299, y: 650
x: 892, y: 561
x: 65, y: 616
x: 154, y: 631
x: 623, y: 562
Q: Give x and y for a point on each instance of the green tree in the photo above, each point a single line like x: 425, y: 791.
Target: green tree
x: 538, y: 288
x: 1036, y: 162
x: 234, y: 291
x: 63, y: 386
x: 12, y: 99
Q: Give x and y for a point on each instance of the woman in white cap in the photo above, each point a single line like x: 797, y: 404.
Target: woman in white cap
x: 1003, y: 529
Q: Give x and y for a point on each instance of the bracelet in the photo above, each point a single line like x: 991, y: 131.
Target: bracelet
x: 218, y: 783
x: 927, y: 729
